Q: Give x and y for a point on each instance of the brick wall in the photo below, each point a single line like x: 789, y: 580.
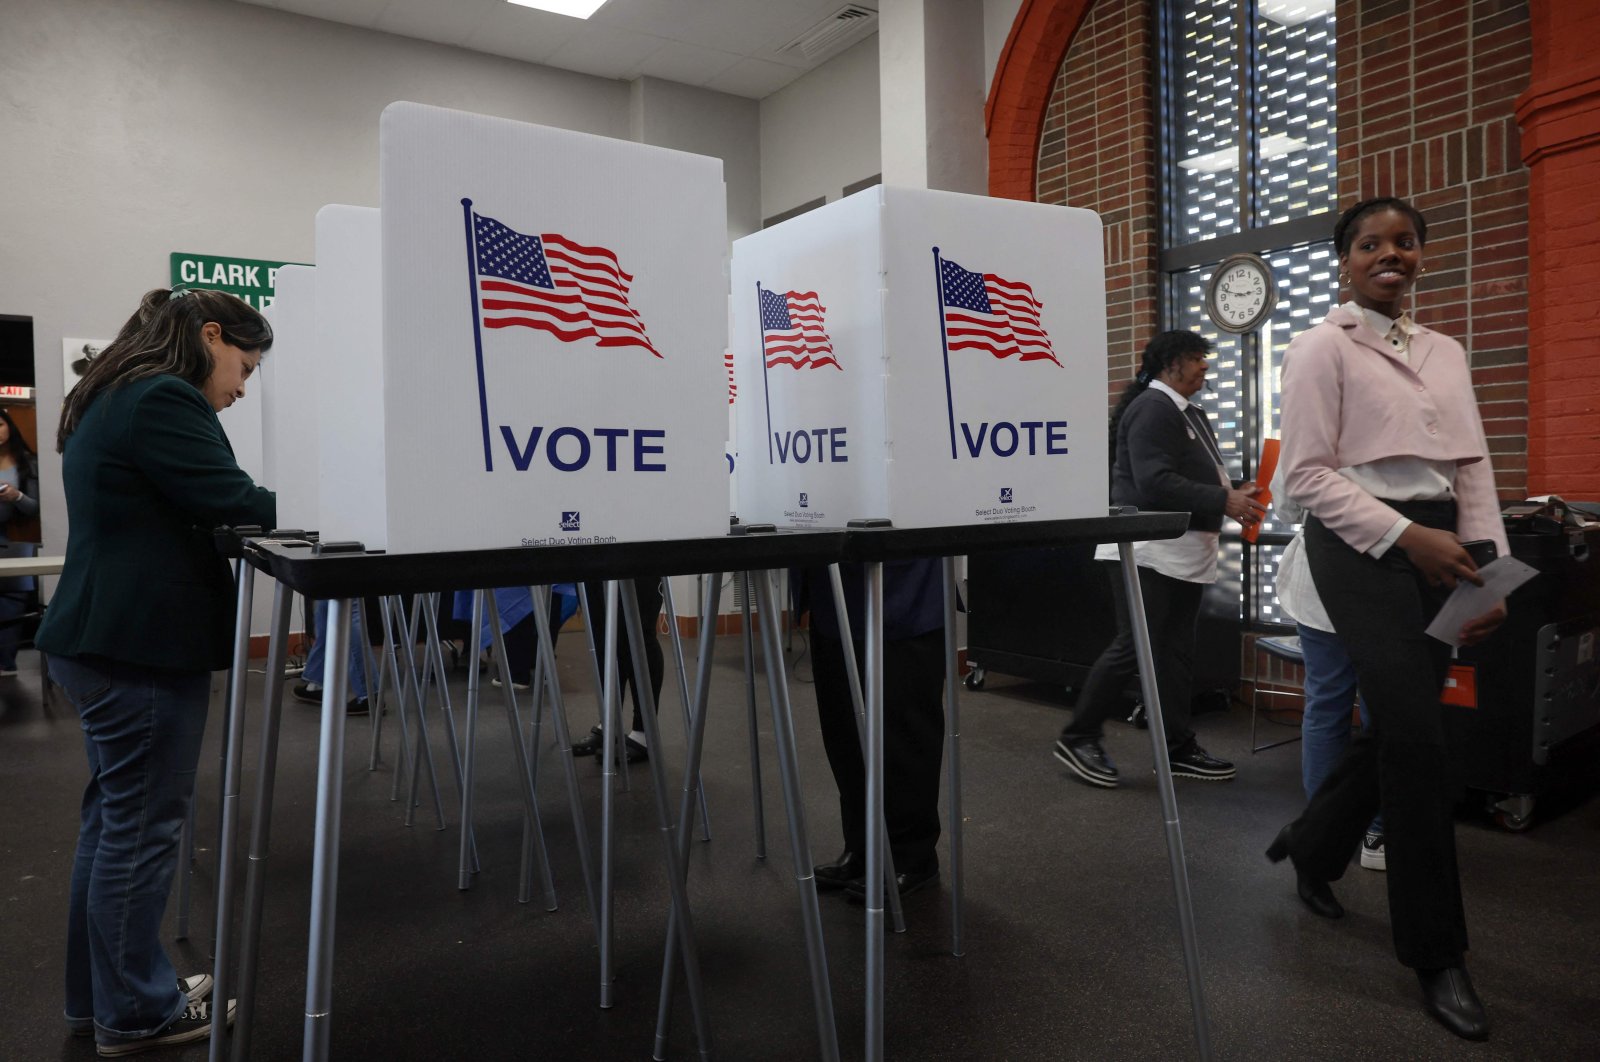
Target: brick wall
x: 1098, y: 150
x: 1427, y: 92
x: 1560, y: 120
x: 1427, y: 96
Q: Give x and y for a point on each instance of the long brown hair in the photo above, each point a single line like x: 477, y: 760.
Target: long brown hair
x: 163, y: 337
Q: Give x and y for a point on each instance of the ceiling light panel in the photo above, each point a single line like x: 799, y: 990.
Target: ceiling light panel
x: 574, y: 8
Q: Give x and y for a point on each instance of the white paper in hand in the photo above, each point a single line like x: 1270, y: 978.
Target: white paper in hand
x: 1468, y: 602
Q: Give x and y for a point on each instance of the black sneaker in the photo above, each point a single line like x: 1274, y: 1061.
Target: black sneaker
x: 1372, y: 853
x: 193, y: 1024
x: 594, y: 745
x: 1189, y: 760
x: 358, y: 706
x: 310, y: 692
x: 1087, y: 760
x: 195, y: 987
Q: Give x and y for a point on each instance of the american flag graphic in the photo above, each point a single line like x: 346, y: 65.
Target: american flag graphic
x: 792, y: 331
x: 733, y: 388
x: 556, y: 285
x: 983, y: 311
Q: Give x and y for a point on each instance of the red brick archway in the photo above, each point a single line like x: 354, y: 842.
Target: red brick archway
x: 1014, y: 114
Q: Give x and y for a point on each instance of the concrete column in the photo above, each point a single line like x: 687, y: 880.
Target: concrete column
x: 932, y: 89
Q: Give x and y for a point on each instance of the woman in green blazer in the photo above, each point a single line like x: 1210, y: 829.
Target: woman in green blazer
x: 141, y: 617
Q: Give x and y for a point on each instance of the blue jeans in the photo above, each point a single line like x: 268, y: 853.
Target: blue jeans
x: 1330, y: 687
x: 314, y: 659
x: 142, y: 729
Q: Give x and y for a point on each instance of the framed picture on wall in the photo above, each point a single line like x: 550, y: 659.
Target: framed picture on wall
x: 75, y: 357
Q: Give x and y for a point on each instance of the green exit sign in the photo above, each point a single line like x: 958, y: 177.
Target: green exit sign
x: 252, y: 279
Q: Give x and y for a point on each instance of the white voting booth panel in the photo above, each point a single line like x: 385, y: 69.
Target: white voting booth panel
x: 348, y: 312
x: 244, y: 424
x: 289, y: 381
x: 554, y: 320
x: 929, y: 357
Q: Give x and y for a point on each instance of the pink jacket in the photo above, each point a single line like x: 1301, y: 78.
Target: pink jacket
x: 1348, y: 399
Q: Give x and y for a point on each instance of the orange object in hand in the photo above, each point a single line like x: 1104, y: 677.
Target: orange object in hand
x: 1264, y: 471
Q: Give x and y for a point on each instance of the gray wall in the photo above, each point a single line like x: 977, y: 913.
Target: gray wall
x: 133, y: 128
x: 820, y: 133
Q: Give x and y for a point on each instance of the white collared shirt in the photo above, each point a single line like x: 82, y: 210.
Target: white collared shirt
x: 1192, y: 557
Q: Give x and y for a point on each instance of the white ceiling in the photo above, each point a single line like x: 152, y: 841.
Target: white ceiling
x: 728, y: 45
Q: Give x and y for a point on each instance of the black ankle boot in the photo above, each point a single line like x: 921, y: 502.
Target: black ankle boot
x: 1448, y: 995
x: 1313, y: 892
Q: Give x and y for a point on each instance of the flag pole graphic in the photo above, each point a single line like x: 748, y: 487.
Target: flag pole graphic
x: 761, y: 330
x: 944, y: 341
x: 477, y: 331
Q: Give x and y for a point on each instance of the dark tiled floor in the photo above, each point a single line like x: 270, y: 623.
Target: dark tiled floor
x: 1071, y: 941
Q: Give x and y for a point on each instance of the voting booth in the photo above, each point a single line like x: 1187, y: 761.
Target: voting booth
x: 289, y: 384
x: 933, y: 358
x: 553, y: 310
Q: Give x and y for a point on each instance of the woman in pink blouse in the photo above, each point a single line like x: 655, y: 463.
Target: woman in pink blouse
x: 1383, y: 447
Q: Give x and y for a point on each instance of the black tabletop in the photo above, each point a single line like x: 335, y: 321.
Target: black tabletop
x: 298, y: 564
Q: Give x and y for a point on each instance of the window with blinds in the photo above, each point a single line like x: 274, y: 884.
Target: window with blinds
x: 1249, y: 160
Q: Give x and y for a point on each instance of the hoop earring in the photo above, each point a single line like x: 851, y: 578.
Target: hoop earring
x: 1344, y: 278
x: 1422, y: 272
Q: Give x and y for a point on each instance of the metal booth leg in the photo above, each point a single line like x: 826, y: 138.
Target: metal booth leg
x: 436, y: 647
x: 608, y: 724
x: 468, y: 863
x: 595, y: 639
x: 558, y: 719
x: 952, y: 755
x: 748, y: 636
x: 896, y: 915
x: 232, y: 764
x: 401, y: 645
x: 238, y: 678
x: 530, y: 799
x: 683, y: 694
x: 658, y: 778
x: 799, y: 844
x: 874, y: 872
x: 1169, y: 801
x: 260, y: 831
x: 422, y: 751
x: 696, y: 745
x: 325, y: 851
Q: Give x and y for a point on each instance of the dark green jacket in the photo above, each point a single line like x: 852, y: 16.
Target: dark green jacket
x: 148, y: 474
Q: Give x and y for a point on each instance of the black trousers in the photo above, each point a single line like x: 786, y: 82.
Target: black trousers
x: 1171, y: 607
x: 913, y: 741
x: 649, y: 591
x: 522, y: 642
x: 1380, y: 607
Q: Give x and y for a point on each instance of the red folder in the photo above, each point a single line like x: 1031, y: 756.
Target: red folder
x: 1264, y: 471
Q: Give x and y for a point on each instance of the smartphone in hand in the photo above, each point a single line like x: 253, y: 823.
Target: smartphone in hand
x: 1481, y: 550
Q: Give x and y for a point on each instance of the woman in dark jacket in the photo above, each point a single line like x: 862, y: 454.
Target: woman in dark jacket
x: 19, y: 498
x: 142, y: 615
x: 1166, y: 458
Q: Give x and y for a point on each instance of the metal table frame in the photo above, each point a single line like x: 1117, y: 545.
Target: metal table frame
x: 343, y: 573
x: 319, y: 572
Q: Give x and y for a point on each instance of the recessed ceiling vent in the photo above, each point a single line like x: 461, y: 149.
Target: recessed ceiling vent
x: 834, y: 34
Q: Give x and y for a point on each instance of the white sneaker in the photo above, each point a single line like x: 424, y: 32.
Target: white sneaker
x: 515, y: 685
x: 1372, y: 857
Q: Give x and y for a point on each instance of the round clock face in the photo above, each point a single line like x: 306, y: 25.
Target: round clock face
x: 1241, y: 294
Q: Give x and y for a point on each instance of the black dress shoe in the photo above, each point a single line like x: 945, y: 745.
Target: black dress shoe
x: 1088, y: 760
x: 1189, y: 760
x: 1447, y: 994
x: 1313, y: 892
x: 916, y: 879
x: 589, y: 746
x: 841, y: 872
